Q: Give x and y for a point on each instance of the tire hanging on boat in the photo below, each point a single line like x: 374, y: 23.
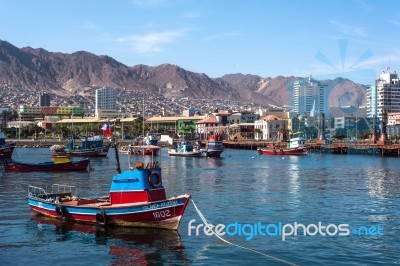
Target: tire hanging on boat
x: 61, y: 211
x: 158, y: 177
x: 101, y: 218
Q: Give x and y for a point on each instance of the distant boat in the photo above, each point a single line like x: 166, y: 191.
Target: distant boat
x: 128, y: 150
x: 149, y: 147
x: 295, y: 146
x: 91, y: 147
x: 58, y: 164
x: 151, y: 140
x: 139, y: 150
x: 185, y: 148
x: 6, y: 149
x: 214, y: 146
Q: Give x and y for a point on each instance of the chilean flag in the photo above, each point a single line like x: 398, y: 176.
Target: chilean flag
x: 107, y: 130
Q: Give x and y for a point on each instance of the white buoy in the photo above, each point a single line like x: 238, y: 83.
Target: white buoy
x: 252, y: 157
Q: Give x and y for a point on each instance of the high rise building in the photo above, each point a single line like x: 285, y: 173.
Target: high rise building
x: 106, y: 100
x: 44, y: 99
x: 310, y: 97
x: 387, y: 93
x: 372, y: 108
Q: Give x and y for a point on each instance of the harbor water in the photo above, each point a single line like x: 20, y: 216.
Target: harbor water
x: 317, y: 209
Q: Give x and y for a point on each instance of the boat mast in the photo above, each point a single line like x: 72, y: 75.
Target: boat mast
x: 143, y: 121
x: 117, y: 157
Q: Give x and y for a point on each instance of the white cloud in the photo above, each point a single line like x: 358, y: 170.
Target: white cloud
x: 151, y: 43
x: 348, y: 29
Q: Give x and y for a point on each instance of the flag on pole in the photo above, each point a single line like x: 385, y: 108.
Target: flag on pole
x: 107, y: 130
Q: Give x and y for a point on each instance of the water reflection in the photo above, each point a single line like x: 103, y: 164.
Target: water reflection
x: 383, y: 183
x: 126, y: 246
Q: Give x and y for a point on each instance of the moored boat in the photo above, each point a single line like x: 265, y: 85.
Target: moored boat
x: 185, y: 148
x: 214, y: 146
x: 151, y: 141
x: 139, y: 150
x: 136, y: 198
x: 6, y: 149
x: 295, y: 146
x: 61, y: 163
x: 91, y: 147
x: 128, y: 150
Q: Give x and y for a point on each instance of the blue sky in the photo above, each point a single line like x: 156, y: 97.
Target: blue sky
x: 350, y: 38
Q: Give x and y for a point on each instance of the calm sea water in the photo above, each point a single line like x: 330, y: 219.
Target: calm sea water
x: 240, y: 188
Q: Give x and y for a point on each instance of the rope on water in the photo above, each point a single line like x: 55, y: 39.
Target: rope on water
x: 208, y: 225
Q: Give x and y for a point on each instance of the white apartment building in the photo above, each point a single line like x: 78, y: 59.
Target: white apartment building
x: 106, y: 99
x: 309, y: 95
x: 387, y: 93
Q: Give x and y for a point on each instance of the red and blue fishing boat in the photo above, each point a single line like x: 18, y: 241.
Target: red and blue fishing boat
x: 6, y: 149
x: 214, y: 146
x: 60, y: 163
x: 136, y: 198
x: 295, y: 146
x: 90, y: 147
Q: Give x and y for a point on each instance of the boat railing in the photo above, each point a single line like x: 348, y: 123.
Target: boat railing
x: 61, y: 188
x: 36, y: 191
x: 55, y: 189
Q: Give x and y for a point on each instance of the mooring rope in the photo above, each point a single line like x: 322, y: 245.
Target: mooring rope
x: 208, y: 225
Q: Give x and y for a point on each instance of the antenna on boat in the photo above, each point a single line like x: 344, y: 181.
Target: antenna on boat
x: 117, y: 157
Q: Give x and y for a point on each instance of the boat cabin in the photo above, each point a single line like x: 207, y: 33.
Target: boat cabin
x: 141, y: 184
x: 152, y: 139
x: 88, y: 143
x: 296, y: 142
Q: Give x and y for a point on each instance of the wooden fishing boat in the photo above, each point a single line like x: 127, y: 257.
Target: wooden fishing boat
x: 186, y: 149
x: 6, y: 149
x: 150, y: 144
x: 295, y: 146
x: 136, y: 198
x: 139, y: 150
x: 61, y: 163
x: 91, y: 147
x: 128, y: 150
x: 214, y: 146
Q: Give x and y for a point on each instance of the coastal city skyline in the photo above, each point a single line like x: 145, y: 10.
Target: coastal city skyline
x: 264, y: 38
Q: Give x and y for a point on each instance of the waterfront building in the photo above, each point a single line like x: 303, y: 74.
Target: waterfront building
x: 393, y: 125
x: 106, y: 101
x: 310, y: 97
x: 209, y: 125
x: 270, y: 127
x: 186, y: 126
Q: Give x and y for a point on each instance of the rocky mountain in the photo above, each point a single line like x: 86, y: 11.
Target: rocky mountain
x: 80, y: 72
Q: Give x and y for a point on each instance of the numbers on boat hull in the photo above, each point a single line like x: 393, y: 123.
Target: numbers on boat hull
x: 162, y: 214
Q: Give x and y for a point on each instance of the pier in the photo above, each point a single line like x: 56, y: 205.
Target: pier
x: 361, y: 147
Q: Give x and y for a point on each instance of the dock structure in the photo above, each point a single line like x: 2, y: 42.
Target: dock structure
x: 379, y: 148
x: 361, y: 147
